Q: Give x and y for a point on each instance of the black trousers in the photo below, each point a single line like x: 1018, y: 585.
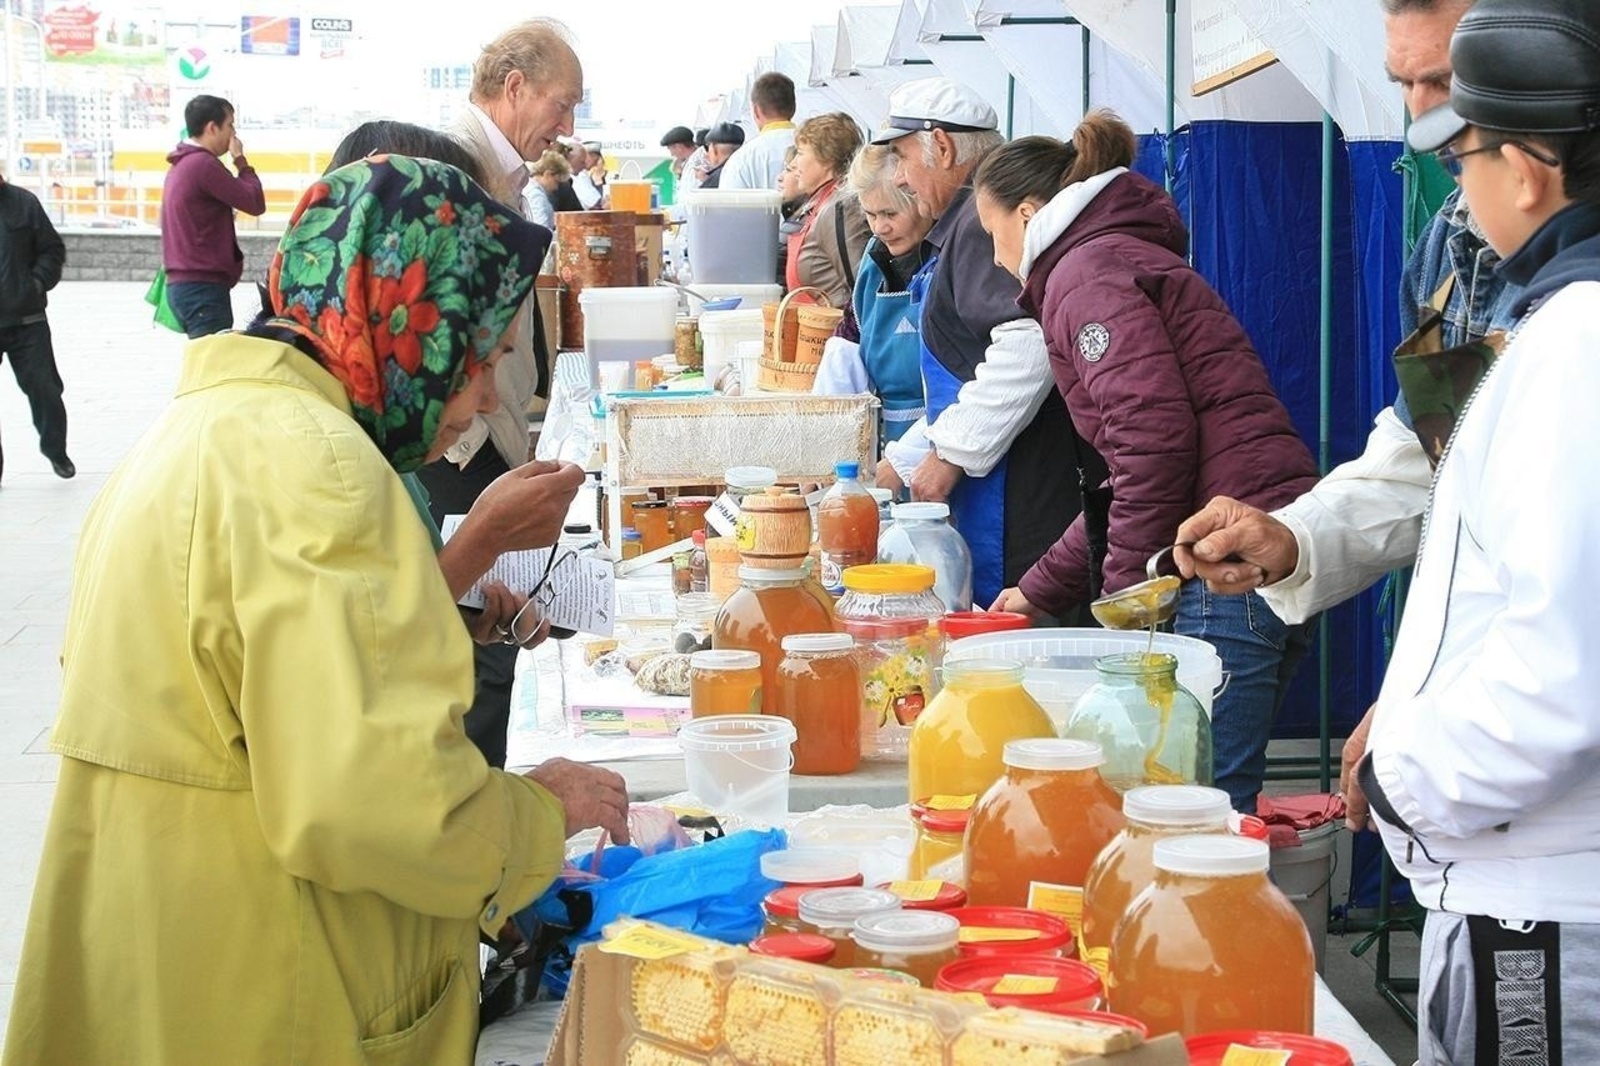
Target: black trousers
x: 452, y: 490
x: 33, y: 361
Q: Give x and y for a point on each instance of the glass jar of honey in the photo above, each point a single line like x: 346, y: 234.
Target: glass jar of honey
x: 688, y: 514
x: 1127, y: 865
x: 1035, y: 833
x: 819, y: 690
x: 724, y: 682
x: 920, y: 943
x: 832, y: 912
x: 781, y: 909
x: 941, y: 829
x: 650, y: 519
x: 894, y: 615
x: 1154, y: 731
x: 768, y: 606
x: 1212, y: 944
x: 956, y: 744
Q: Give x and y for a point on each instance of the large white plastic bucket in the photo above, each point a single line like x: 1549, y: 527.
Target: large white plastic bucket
x: 1060, y: 662
x: 623, y: 326
x: 1305, y: 875
x: 722, y: 331
x: 739, y: 764
x: 733, y: 235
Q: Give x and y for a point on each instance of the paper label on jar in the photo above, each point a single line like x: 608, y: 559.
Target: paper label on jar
x: 916, y: 891
x: 950, y: 803
x: 644, y: 942
x: 1239, y: 1055
x: 832, y: 576
x: 1022, y: 984
x: 989, y: 934
x: 1063, y: 901
x: 897, y: 686
x: 723, y: 516
x: 744, y: 533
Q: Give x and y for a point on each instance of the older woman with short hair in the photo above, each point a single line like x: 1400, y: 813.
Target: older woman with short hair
x: 826, y: 250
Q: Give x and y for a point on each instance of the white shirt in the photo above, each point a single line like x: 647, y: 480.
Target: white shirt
x: 589, y: 194
x: 757, y: 164
x: 512, y: 166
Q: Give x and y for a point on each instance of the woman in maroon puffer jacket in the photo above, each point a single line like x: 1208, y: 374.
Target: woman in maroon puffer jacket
x: 1161, y: 378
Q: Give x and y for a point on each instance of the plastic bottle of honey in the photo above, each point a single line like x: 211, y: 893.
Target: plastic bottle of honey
x: 1212, y: 944
x: 819, y: 690
x: 956, y: 743
x: 768, y: 606
x: 847, y: 527
x: 1036, y: 832
x: 1127, y: 865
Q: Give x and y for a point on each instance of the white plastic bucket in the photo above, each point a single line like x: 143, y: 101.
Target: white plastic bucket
x: 733, y: 235
x: 1305, y: 875
x: 624, y: 325
x: 1060, y: 662
x: 739, y: 764
x: 722, y: 331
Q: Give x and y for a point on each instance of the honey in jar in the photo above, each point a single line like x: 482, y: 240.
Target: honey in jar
x: 956, y: 743
x: 781, y: 909
x: 724, y: 682
x: 1211, y: 944
x: 1127, y: 865
x: 768, y: 606
x: 917, y: 942
x: 819, y: 690
x: 832, y: 912
x: 1036, y: 832
x: 941, y: 830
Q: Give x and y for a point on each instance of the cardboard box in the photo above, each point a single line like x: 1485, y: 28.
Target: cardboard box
x: 698, y: 1009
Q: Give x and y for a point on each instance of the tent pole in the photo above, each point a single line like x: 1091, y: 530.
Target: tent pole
x: 1172, y: 90
x: 1324, y: 424
x: 1011, y: 105
x: 1085, y: 30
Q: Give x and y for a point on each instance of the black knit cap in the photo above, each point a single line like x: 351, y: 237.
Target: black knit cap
x: 1520, y: 66
x: 678, y: 135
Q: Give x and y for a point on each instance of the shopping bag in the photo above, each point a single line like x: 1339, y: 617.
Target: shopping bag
x: 156, y: 296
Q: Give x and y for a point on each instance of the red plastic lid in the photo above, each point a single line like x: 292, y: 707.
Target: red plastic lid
x: 942, y: 821
x: 785, y: 902
x: 1064, y: 984
x: 958, y: 624
x: 947, y: 897
x: 805, y: 947
x: 884, y: 628
x: 1107, y: 1018
x: 1208, y: 1049
x: 692, y: 503
x: 1249, y: 826
x: 1051, y: 933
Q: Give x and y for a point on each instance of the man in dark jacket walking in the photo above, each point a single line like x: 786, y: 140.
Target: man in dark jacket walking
x: 31, y: 257
x: 199, y: 247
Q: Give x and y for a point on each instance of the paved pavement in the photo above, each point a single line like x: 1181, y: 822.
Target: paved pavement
x: 120, y: 371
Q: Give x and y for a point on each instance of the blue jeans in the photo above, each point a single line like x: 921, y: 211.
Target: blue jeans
x: 1259, y: 657
x: 203, y: 307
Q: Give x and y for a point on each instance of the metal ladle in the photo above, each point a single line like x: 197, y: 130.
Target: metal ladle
x: 1146, y: 604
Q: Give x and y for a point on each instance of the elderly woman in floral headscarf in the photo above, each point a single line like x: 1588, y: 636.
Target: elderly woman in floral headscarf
x: 271, y: 841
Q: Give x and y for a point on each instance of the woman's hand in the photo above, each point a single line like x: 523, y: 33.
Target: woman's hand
x: 521, y: 509
x: 499, y: 621
x: 1014, y: 601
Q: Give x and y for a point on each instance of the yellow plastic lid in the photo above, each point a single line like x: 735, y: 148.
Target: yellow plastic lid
x: 881, y: 578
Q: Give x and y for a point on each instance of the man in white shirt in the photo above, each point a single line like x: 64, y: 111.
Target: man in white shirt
x: 758, y: 163
x: 590, y: 182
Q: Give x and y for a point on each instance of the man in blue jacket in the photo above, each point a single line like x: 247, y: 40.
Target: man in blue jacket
x: 31, y: 258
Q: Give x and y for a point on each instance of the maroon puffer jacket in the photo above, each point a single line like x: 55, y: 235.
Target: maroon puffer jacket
x: 1160, y: 377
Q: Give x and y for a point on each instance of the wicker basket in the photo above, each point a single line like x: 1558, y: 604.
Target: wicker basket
x: 783, y: 375
x: 817, y: 326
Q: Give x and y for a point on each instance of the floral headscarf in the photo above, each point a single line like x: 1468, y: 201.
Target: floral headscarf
x: 403, y: 275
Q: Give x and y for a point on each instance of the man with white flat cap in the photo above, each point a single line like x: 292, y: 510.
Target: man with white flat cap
x: 993, y: 439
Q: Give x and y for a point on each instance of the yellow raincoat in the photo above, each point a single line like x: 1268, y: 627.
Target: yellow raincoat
x: 271, y: 841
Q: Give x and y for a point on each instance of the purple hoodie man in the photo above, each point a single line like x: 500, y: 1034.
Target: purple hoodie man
x: 199, y: 247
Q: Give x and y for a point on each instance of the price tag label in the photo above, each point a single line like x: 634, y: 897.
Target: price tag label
x: 950, y: 803
x: 916, y: 891
x: 1239, y: 1055
x: 985, y: 934
x: 1063, y: 901
x: 645, y: 942
x: 723, y: 515
x: 1020, y: 984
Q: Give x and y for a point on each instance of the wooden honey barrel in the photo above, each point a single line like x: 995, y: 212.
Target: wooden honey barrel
x: 594, y: 249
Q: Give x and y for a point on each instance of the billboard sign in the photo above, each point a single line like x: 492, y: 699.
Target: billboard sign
x: 269, y: 35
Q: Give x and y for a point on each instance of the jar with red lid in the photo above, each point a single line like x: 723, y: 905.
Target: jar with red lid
x: 959, y: 624
x: 801, y: 947
x: 688, y: 514
x: 781, y: 908
x: 1036, y: 982
x: 941, y: 832
x: 1212, y: 1049
x: 927, y: 895
x: 1010, y: 931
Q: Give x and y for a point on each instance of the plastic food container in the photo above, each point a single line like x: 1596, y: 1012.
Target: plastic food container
x: 748, y: 297
x: 733, y: 234
x: 724, y: 682
x: 921, y: 533
x: 832, y: 912
x: 1209, y: 1049
x: 920, y: 943
x: 1037, y: 982
x: 720, y: 334
x: 1011, y: 931
x: 927, y: 895
x: 624, y: 325
x: 812, y: 867
x: 801, y: 947
x: 739, y: 764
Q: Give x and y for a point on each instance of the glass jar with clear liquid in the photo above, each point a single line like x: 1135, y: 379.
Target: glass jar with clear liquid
x: 1152, y: 729
x: 921, y: 533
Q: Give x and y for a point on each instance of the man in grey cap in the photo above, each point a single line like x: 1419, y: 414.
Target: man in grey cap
x: 722, y: 140
x: 1483, y: 770
x: 992, y: 442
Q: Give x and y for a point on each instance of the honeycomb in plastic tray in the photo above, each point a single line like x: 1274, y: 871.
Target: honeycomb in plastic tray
x: 642, y: 1052
x: 681, y: 999
x: 876, y: 1027
x: 777, y: 1016
x: 1024, y: 1038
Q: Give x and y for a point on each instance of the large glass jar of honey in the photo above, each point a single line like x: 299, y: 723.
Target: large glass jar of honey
x: 724, y: 682
x: 1035, y: 833
x: 956, y: 744
x: 1212, y: 944
x: 768, y: 606
x: 1127, y: 864
x: 832, y: 912
x: 819, y: 690
x: 1154, y: 731
x: 917, y: 942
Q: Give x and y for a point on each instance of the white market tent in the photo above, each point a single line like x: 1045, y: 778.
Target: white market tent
x: 938, y: 34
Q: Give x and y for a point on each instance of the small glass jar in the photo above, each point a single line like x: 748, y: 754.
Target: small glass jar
x: 724, y: 682
x: 743, y: 481
x: 650, y: 519
x: 819, y: 690
x: 697, y: 617
x: 781, y: 908
x: 920, y: 943
x: 833, y: 912
x: 800, y: 947
x: 632, y: 543
x: 1152, y: 729
x: 688, y: 514
x: 893, y: 614
x: 940, y: 833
